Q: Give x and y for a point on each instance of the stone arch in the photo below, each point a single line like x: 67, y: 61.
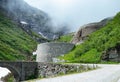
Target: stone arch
x: 14, y: 71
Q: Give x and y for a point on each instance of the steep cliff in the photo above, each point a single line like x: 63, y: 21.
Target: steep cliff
x: 87, y: 29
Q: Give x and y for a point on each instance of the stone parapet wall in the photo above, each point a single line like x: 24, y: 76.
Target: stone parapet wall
x: 46, y: 70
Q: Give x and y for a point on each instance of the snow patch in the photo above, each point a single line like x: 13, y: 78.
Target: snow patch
x: 42, y: 35
x: 34, y: 53
x: 23, y: 22
x: 3, y: 72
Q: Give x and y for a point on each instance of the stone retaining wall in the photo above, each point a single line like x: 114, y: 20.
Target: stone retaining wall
x: 51, y: 70
x: 46, y: 52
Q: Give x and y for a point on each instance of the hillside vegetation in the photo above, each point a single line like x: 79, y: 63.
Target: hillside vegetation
x: 91, y: 50
x: 15, y: 44
x: 66, y: 38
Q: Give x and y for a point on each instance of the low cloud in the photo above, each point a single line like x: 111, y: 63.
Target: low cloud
x: 75, y: 13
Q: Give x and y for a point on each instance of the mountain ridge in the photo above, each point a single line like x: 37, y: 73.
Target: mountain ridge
x: 100, y: 46
x: 38, y: 21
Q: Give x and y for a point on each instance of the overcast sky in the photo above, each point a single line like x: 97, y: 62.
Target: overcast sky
x: 77, y: 12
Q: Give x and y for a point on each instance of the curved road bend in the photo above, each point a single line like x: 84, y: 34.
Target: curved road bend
x: 107, y: 73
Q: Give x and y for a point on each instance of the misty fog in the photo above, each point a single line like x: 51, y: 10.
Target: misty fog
x: 57, y: 17
x: 76, y: 13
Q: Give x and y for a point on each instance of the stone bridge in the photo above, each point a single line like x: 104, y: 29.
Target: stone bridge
x: 30, y: 70
x: 45, y: 53
x: 21, y: 70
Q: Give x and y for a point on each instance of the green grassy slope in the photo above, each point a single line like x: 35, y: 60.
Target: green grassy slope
x: 15, y: 44
x: 99, y: 41
x: 66, y: 38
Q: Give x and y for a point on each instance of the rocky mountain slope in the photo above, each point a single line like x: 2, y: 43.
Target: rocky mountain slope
x: 32, y: 18
x: 18, y: 37
x: 87, y: 29
x: 103, y: 44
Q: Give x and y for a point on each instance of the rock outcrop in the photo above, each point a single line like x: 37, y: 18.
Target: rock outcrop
x: 112, y: 54
x: 87, y: 29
